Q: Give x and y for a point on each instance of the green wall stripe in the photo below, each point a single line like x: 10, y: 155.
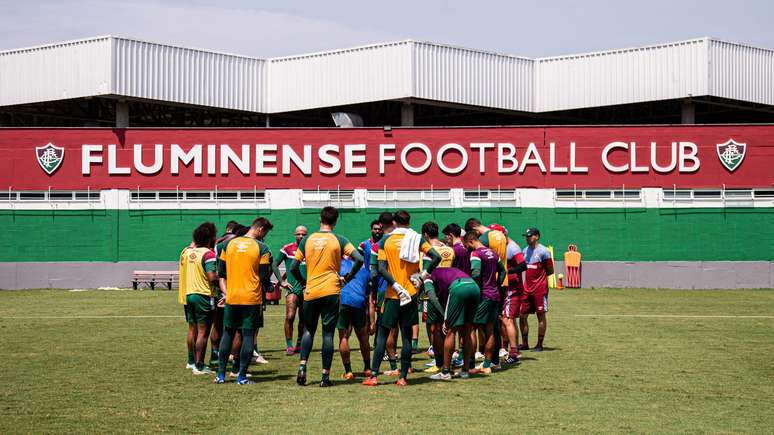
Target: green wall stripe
x: 734, y: 234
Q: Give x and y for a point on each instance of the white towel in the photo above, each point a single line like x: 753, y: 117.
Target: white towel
x: 409, y: 248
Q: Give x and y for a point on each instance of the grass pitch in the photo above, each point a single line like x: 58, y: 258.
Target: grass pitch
x: 616, y: 361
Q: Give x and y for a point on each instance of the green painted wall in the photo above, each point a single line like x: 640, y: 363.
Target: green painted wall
x: 601, y: 234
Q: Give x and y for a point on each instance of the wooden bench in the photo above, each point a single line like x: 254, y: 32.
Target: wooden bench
x: 153, y: 277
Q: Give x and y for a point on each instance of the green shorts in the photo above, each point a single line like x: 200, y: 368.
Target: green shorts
x: 392, y: 312
x: 201, y: 308
x: 325, y: 309
x: 464, y: 296
x: 243, y: 316
x: 433, y: 315
x: 487, y: 312
x: 297, y: 290
x: 351, y: 316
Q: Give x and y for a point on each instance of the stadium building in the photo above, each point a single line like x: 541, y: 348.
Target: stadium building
x: 656, y: 161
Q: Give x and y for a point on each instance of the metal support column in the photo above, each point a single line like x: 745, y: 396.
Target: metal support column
x: 407, y: 115
x: 122, y: 114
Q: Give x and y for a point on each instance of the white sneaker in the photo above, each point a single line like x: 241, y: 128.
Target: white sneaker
x: 480, y: 366
x: 479, y: 356
x: 456, y: 355
x: 205, y: 371
x: 464, y: 374
x: 503, y: 353
x: 430, y: 352
x: 233, y: 375
x: 441, y: 376
x: 259, y: 359
x: 190, y: 366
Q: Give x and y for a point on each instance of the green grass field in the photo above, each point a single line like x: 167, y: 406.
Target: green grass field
x: 73, y: 364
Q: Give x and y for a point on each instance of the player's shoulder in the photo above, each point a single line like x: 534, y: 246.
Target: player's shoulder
x: 383, y: 241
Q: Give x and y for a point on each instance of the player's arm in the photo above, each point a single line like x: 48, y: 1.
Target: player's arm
x: 385, y: 272
x: 520, y: 266
x: 432, y: 254
x: 296, y: 271
x: 430, y: 290
x: 221, y: 266
x: 475, y: 268
x: 210, y: 265
x: 501, y: 273
x: 277, y: 261
x: 548, y: 265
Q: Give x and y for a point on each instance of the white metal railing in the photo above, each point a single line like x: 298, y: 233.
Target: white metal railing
x: 50, y: 195
x: 177, y: 195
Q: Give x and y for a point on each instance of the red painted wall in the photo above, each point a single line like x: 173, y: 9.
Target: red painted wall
x: 19, y: 167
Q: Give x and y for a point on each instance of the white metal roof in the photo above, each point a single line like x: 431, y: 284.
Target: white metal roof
x: 109, y: 65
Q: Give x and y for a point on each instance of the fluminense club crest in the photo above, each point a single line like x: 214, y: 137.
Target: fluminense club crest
x: 731, y: 154
x: 50, y: 157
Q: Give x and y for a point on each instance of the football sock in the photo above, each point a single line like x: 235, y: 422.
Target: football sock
x: 246, y: 353
x: 191, y: 359
x: 540, y: 341
x: 327, y: 348
x: 288, y: 342
x: 393, y: 364
x: 225, y: 349
x: 347, y: 367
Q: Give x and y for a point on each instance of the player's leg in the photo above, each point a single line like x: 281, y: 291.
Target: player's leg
x: 542, y: 325
x: 230, y: 323
x: 524, y: 326
x: 343, y: 326
x: 489, y: 346
x: 290, y: 317
x: 216, y: 333
x: 406, y: 322
x: 365, y: 346
x: 301, y: 327
x: 415, y: 338
x: 246, y: 353
x: 236, y: 349
x: 388, y: 320
x: 330, y: 314
x: 311, y: 318
x: 189, y: 342
x: 392, y: 351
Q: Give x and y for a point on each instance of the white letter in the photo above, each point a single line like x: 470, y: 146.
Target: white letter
x: 261, y: 158
x: 689, y: 156
x: 228, y: 155
x: 350, y: 159
x: 383, y: 157
x: 289, y: 155
x: 463, y: 164
x: 552, y: 159
x: 634, y: 166
x: 534, y: 160
x: 404, y: 154
x: 112, y: 168
x: 210, y: 159
x: 87, y: 159
x: 481, y: 147
x: 177, y: 156
x: 158, y: 159
x: 607, y: 150
x: 502, y: 157
x: 329, y: 154
x: 654, y: 160
x: 573, y: 168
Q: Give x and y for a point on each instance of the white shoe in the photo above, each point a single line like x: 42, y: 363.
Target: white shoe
x: 480, y: 366
x: 190, y: 366
x: 464, y: 374
x: 430, y: 352
x: 259, y: 359
x: 441, y: 376
x: 479, y: 356
x: 503, y: 353
x: 456, y: 355
x: 233, y: 375
x: 205, y: 371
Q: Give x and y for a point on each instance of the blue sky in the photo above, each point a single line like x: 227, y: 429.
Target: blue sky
x: 276, y: 28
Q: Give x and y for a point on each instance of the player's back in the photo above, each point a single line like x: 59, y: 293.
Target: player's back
x: 243, y: 257
x: 322, y: 251
x: 192, y: 276
x: 488, y: 260
x: 497, y: 242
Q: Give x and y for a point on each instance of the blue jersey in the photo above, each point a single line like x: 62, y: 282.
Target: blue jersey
x: 367, y: 247
x: 355, y: 293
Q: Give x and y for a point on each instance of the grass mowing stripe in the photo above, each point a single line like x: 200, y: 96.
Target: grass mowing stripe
x: 106, y: 317
x: 677, y: 316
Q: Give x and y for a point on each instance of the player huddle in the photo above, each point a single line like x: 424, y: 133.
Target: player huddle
x: 469, y: 288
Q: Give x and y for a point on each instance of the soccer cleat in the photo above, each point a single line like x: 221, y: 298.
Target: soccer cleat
x: 244, y: 381
x: 205, y: 371
x: 503, y: 353
x: 479, y: 356
x: 522, y: 347
x: 457, y: 362
x: 348, y: 376
x: 370, y: 382
x: 496, y: 367
x: 301, y: 376
x: 430, y: 352
x: 537, y: 349
x: 456, y: 354
x: 395, y: 372
x: 385, y: 357
x: 401, y: 382
x: 432, y: 369
x: 220, y: 380
x: 441, y: 376
x: 367, y: 373
x: 259, y: 359
x: 326, y: 382
x: 290, y: 351
x: 485, y: 370
x: 190, y: 366
x: 512, y: 359
x: 464, y: 374
x: 297, y: 349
